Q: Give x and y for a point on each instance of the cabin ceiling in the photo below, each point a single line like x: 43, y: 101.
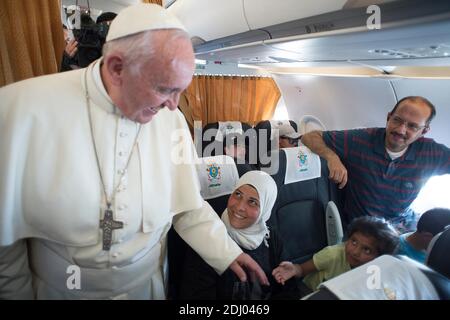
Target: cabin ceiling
x: 424, y: 45
x: 103, y: 5
x: 418, y: 37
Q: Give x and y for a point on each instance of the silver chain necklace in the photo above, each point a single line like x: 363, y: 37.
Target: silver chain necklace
x: 107, y: 224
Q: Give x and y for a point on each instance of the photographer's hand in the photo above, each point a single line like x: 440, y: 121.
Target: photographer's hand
x: 71, y: 48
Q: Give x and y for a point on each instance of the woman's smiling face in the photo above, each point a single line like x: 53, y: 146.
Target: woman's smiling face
x: 243, y: 207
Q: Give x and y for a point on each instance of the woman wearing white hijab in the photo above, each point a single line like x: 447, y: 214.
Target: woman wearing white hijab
x: 248, y: 209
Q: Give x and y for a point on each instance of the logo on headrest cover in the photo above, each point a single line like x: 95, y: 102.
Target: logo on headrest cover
x: 302, y: 161
x: 389, y: 293
x: 214, y: 175
x: 229, y: 128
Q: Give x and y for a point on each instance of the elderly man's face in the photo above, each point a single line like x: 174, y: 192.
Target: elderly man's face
x: 162, y: 80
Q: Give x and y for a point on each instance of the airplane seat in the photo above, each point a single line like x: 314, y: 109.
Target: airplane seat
x: 307, y: 124
x: 386, y: 278
x: 209, y: 133
x: 213, y: 135
x: 437, y: 253
x: 249, y: 141
x: 243, y: 168
x: 338, y: 198
x: 440, y: 281
x: 310, y: 123
x: 266, y: 137
x: 304, y: 213
x: 218, y: 176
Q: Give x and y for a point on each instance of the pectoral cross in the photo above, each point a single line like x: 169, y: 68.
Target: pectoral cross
x: 108, y: 224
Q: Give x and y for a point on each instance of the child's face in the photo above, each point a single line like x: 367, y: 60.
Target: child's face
x: 360, y: 249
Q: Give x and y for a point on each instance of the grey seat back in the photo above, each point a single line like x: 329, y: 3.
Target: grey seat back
x: 267, y: 142
x: 212, y: 147
x: 438, y: 253
x: 299, y: 214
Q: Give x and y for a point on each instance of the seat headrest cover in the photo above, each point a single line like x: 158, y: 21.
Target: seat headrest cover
x: 228, y: 127
x: 301, y: 164
x: 310, y: 123
x: 141, y: 17
x: 218, y: 176
x: 105, y: 17
x: 286, y: 130
x: 384, y: 278
x: 275, y: 124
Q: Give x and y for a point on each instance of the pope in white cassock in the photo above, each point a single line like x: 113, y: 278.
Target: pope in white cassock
x: 95, y: 166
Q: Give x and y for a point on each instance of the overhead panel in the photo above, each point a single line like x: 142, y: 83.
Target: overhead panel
x: 412, y: 31
x: 263, y: 13
x: 252, y: 53
x: 430, y: 40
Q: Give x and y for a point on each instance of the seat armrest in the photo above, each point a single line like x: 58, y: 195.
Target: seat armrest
x: 335, y: 232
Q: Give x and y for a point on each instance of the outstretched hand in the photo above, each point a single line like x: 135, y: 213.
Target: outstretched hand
x: 284, y: 272
x: 245, y: 261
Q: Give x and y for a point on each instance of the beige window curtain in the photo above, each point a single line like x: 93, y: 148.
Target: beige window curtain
x: 31, y: 39
x: 153, y: 1
x: 230, y: 98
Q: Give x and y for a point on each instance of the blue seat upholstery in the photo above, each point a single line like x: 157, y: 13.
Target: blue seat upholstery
x: 299, y: 214
x: 438, y: 253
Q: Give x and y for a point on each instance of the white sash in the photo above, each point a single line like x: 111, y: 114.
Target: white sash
x: 110, y: 283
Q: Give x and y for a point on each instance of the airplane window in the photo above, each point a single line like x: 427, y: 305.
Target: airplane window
x: 433, y: 194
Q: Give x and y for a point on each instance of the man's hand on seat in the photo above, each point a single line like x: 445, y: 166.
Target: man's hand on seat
x: 314, y: 141
x: 245, y: 261
x: 338, y: 172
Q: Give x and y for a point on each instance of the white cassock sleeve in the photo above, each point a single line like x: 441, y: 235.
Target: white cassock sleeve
x: 203, y: 230
x: 15, y: 275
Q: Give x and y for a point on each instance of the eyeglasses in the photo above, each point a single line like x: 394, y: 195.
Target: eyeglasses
x: 397, y: 121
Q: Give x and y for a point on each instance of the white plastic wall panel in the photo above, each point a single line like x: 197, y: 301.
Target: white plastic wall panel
x: 340, y: 103
x: 437, y: 91
x: 211, y: 19
x: 343, y: 103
